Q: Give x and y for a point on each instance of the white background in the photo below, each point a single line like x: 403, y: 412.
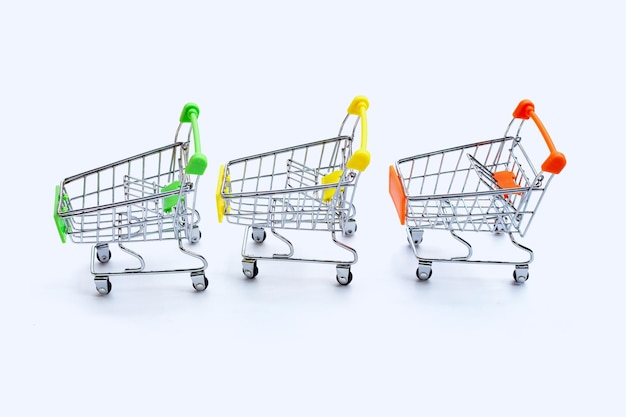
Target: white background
x: 84, y: 84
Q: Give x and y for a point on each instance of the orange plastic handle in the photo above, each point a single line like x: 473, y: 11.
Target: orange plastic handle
x: 396, y: 190
x: 556, y: 160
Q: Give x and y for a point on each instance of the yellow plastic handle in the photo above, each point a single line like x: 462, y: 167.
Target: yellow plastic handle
x: 361, y: 158
x: 219, y: 200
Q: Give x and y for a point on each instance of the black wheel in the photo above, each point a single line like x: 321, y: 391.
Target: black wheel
x: 345, y: 282
x: 102, y: 290
x: 257, y: 237
x: 520, y: 279
x: 251, y: 274
x: 351, y: 228
x: 206, y: 284
x: 430, y: 274
x: 193, y: 238
x: 103, y: 261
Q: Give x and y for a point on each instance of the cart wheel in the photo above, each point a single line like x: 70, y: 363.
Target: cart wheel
x: 424, y: 272
x: 258, y: 234
x: 344, y: 276
x: 520, y: 278
x: 416, y: 242
x: 520, y: 274
x: 417, y: 236
x: 344, y: 280
x: 103, y: 285
x: 201, y: 286
x: 103, y: 258
x: 250, y: 269
x: 195, y: 235
x: 350, y: 228
x: 103, y: 253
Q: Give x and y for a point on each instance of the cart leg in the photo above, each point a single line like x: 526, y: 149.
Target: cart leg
x: 103, y: 253
x: 520, y: 275
x: 103, y: 284
x: 199, y: 280
x: 249, y: 268
x: 344, y: 276
x: 424, y: 270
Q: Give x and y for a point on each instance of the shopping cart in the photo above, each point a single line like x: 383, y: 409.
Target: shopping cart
x: 147, y: 197
x: 306, y: 187
x: 490, y: 186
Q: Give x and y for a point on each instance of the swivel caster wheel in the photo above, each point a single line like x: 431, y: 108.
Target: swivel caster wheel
x: 103, y: 253
x: 195, y: 235
x: 344, y: 275
x: 249, y: 268
x: 258, y: 234
x: 499, y: 228
x: 103, y: 285
x: 520, y: 275
x: 350, y: 227
x: 199, y: 281
x: 424, y: 271
x: 417, y: 236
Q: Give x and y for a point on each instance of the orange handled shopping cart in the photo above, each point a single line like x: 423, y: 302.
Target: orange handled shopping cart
x: 490, y: 186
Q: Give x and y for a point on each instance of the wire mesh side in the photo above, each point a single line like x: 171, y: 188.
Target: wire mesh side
x: 454, y: 189
x: 126, y: 200
x: 286, y: 188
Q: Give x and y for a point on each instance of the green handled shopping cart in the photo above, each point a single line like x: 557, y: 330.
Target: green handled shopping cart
x: 147, y: 197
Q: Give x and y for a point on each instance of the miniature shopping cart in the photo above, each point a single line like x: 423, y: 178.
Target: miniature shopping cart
x: 147, y: 197
x: 306, y: 187
x: 490, y: 186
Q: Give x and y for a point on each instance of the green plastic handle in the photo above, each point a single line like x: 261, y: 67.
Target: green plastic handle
x: 60, y: 223
x: 198, y: 161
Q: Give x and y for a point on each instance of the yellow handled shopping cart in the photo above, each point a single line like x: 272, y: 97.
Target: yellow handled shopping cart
x: 489, y: 186
x: 306, y: 187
